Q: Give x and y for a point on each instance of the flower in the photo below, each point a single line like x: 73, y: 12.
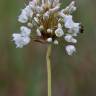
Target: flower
x: 49, y: 40
x: 70, y: 8
x: 20, y: 41
x: 25, y: 31
x: 23, y: 18
x: 69, y: 38
x: 56, y: 42
x: 70, y: 49
x: 59, y: 32
x: 25, y: 14
x: 23, y: 38
x: 68, y: 21
x: 75, y: 29
x: 49, y: 22
x: 38, y: 32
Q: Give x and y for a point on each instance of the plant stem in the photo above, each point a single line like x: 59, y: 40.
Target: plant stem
x: 49, y: 69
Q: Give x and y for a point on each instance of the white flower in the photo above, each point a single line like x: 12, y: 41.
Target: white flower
x: 41, y: 27
x: 22, y: 18
x: 25, y: 31
x: 75, y: 29
x: 56, y: 8
x: 59, y: 25
x: 20, y: 41
x: 23, y: 38
x: 33, y: 4
x: 61, y: 14
x: 49, y: 30
x: 30, y: 25
x: 38, y: 32
x: 70, y: 8
x: 25, y: 14
x: 70, y: 49
x: 39, y: 9
x: 49, y: 23
x: 59, y: 32
x: 28, y: 11
x: 68, y: 21
x: 37, y: 15
x: 56, y: 42
x: 69, y: 38
x: 49, y: 40
x: 36, y: 20
x: 56, y: 2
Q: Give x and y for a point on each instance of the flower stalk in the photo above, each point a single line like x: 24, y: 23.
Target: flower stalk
x: 50, y: 23
x: 48, y: 55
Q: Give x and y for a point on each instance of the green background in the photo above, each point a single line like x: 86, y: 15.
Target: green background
x: 23, y: 71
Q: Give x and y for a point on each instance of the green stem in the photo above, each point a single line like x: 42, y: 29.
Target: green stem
x: 49, y: 69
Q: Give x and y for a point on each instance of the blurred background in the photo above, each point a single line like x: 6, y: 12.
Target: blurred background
x: 23, y: 71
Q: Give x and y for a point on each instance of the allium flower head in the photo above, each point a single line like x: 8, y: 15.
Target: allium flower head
x: 50, y: 23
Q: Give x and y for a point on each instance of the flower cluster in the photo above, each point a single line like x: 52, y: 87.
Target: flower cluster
x: 49, y: 22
